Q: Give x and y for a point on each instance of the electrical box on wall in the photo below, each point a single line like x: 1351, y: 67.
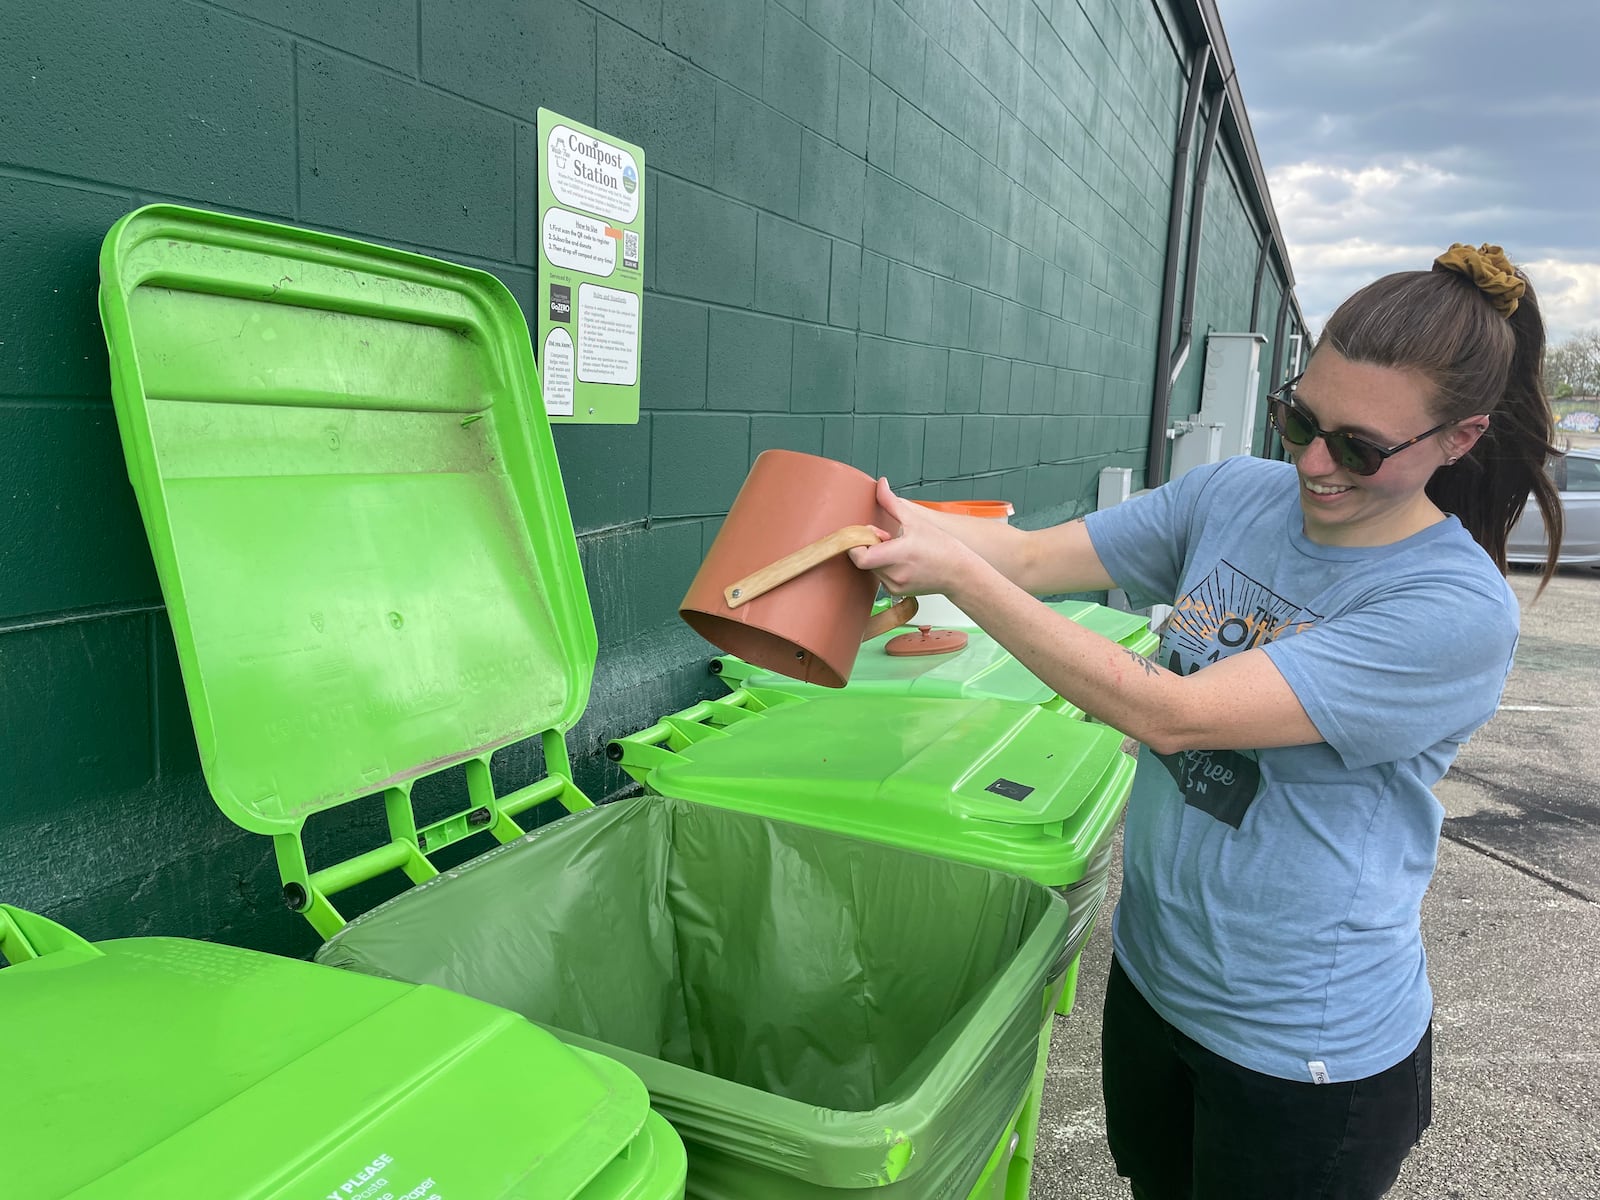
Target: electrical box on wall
x: 1230, y: 390
x: 1195, y: 443
x: 1116, y: 485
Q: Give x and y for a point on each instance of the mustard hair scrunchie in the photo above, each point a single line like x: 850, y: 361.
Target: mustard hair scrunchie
x: 1488, y: 268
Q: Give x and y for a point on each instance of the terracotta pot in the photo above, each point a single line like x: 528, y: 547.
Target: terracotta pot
x: 777, y: 588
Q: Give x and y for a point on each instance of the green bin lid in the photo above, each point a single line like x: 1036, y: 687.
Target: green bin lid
x: 1125, y: 628
x: 984, y: 670
x: 1004, y: 785
x: 159, y: 1067
x: 356, y: 515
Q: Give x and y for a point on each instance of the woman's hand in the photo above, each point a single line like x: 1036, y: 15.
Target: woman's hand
x: 922, y: 558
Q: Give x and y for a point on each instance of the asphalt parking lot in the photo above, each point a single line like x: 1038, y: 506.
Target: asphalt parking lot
x: 1512, y: 928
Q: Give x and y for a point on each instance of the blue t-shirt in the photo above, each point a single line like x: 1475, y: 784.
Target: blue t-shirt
x: 1271, y: 900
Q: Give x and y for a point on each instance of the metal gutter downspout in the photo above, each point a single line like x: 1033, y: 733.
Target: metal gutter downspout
x: 1156, y: 461
x: 1279, y: 337
x: 1191, y: 269
x: 1261, y: 270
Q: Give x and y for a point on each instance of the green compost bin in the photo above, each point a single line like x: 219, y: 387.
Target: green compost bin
x: 982, y: 670
x: 815, y: 1014
x: 995, y: 783
x: 356, y: 514
x: 146, y: 1068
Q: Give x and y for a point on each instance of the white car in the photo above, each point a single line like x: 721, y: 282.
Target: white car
x: 1577, y: 477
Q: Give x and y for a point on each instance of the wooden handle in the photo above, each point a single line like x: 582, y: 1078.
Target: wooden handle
x: 759, y: 583
x: 898, y: 613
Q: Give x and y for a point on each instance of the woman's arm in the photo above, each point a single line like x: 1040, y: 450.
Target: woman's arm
x: 1240, y: 703
x: 1042, y: 562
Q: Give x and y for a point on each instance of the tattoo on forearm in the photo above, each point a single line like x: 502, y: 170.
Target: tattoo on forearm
x: 1150, y: 668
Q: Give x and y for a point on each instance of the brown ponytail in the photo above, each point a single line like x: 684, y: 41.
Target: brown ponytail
x: 1440, y: 323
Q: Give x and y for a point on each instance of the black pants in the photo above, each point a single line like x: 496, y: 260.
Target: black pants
x: 1187, y: 1124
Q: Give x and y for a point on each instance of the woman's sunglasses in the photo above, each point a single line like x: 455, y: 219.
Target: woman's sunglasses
x: 1354, y: 454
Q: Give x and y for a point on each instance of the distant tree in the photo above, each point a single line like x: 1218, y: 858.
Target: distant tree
x: 1572, y: 368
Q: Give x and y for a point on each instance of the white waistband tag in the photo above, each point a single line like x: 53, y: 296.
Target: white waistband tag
x: 1319, y: 1071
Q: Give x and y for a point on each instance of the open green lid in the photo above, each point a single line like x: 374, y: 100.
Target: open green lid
x: 1009, y: 786
x: 159, y: 1067
x: 357, y: 517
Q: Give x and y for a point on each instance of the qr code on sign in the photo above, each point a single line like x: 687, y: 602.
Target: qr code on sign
x: 630, y: 250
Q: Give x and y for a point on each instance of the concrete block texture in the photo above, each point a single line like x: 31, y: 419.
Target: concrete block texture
x: 757, y: 153
x: 824, y: 370
x: 800, y: 72
x: 705, y: 244
x: 749, y: 363
x: 513, y: 56
x: 656, y: 99
x: 792, y: 266
x: 438, y: 178
x: 211, y: 114
x: 723, y: 37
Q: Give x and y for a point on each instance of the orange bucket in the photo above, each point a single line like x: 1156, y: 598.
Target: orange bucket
x: 939, y: 610
x: 992, y: 510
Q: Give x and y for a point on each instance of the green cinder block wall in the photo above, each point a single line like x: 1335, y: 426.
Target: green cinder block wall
x: 926, y: 237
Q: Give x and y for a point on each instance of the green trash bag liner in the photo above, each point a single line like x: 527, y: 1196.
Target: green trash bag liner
x: 814, y: 1013
x: 1096, y: 872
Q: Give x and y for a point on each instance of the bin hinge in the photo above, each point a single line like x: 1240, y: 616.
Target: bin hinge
x: 641, y: 753
x: 408, y: 849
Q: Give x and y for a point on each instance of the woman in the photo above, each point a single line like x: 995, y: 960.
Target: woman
x: 1341, y: 626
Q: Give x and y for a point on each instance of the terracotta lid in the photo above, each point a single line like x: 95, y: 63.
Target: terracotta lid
x: 991, y: 509
x: 927, y: 640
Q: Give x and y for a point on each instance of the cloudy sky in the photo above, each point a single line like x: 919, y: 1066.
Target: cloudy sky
x: 1391, y: 128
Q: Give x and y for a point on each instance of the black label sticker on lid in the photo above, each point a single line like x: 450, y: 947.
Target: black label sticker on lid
x: 1010, y: 789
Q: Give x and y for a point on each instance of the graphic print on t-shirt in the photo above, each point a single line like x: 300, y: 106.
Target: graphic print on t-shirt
x: 1225, y: 613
